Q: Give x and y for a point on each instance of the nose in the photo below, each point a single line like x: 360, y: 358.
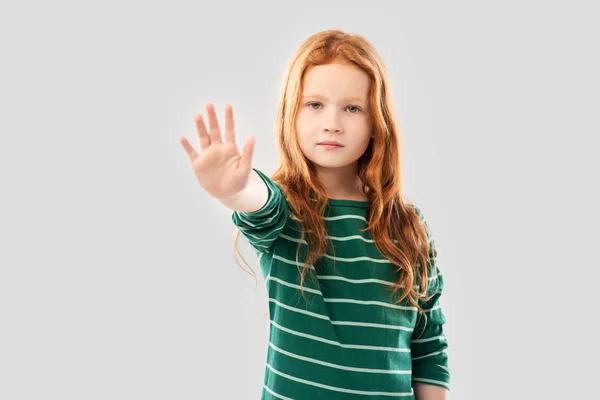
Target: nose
x: 333, y: 124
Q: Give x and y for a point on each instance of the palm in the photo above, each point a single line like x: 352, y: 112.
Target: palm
x: 220, y: 168
x: 217, y: 168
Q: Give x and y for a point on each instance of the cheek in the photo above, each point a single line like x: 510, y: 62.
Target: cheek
x: 366, y: 123
x: 362, y: 131
x: 302, y: 123
x: 301, y: 139
x: 304, y: 130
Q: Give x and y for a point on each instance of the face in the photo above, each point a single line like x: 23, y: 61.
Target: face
x: 334, y: 107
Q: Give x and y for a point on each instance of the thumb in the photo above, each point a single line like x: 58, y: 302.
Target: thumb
x: 247, y: 153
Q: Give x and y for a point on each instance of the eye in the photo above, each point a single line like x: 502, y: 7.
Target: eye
x: 352, y: 112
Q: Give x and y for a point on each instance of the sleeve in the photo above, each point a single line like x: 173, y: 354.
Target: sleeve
x: 428, y: 342
x: 262, y: 227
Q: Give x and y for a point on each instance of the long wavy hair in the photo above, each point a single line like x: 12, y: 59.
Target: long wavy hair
x: 394, y: 224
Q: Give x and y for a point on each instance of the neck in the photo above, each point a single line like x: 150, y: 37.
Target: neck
x: 341, y: 183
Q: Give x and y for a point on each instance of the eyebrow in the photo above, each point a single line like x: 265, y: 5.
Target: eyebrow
x: 346, y: 99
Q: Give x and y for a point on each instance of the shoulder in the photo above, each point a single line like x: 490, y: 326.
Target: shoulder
x: 416, y: 209
x: 418, y: 212
x: 421, y: 215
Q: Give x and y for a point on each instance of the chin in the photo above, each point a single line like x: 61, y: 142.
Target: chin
x: 330, y: 163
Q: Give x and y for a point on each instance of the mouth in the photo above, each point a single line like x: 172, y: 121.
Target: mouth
x: 330, y: 144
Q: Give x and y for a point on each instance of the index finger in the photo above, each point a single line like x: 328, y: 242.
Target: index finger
x: 203, y: 138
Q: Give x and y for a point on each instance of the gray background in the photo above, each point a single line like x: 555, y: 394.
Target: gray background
x: 117, y: 277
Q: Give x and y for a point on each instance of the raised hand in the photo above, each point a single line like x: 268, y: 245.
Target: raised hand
x: 219, y: 167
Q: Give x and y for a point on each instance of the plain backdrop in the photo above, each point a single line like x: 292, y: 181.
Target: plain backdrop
x: 117, y: 276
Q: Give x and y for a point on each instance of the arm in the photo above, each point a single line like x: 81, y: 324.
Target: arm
x: 252, y: 198
x: 429, y: 392
x: 266, y: 211
x: 430, y: 372
x: 428, y: 348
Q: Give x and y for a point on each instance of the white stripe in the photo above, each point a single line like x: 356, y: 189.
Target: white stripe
x: 361, y: 258
x: 285, y: 260
x: 442, y: 337
x: 299, y: 310
x: 367, y: 280
x: 429, y: 355
x: 298, y: 264
x: 328, y: 364
x: 431, y: 381
x: 354, y: 259
x: 292, y: 285
x: 258, y: 238
x: 432, y: 309
x: 339, y: 238
x: 340, y: 300
x: 372, y: 325
x: 338, y: 389
x: 345, y: 216
x: 370, y: 302
x: 350, y: 323
x: 276, y: 394
x: 292, y: 239
x: 351, y: 237
x: 239, y: 214
x: 333, y: 342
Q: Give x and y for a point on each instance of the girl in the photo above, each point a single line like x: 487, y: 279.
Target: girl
x: 368, y: 323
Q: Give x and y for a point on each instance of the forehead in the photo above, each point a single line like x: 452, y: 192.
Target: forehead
x: 336, y: 80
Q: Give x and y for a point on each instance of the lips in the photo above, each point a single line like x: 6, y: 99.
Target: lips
x: 330, y: 143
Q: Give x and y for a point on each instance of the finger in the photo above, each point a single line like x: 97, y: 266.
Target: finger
x: 247, y: 152
x: 203, y: 138
x: 213, y: 124
x: 229, y: 124
x: 192, y: 154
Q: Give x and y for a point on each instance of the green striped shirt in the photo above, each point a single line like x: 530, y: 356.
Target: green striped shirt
x: 347, y: 340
